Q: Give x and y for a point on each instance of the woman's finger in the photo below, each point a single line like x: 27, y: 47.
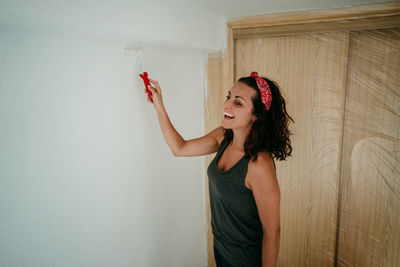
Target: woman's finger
x: 152, y: 89
x: 155, y: 82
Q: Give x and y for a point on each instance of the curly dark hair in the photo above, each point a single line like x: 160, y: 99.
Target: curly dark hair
x: 271, y: 129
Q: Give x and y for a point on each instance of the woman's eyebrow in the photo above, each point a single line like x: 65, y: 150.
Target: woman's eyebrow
x: 238, y: 96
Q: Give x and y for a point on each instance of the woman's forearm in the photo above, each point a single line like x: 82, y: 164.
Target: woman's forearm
x: 270, y: 249
x: 171, y: 136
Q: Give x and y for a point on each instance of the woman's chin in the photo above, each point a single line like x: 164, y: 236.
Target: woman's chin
x: 226, y: 125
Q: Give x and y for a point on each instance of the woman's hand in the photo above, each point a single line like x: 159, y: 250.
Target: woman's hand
x: 157, y: 95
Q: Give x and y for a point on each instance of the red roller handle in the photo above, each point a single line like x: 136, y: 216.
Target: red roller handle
x: 146, y: 83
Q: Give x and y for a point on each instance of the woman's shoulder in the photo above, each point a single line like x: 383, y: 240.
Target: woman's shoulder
x: 217, y: 135
x: 263, y: 166
x: 264, y: 157
x: 220, y: 135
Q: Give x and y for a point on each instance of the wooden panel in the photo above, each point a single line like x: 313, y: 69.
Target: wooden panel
x: 369, y: 230
x: 319, y: 27
x: 317, y: 16
x: 311, y: 70
x: 212, y: 119
x: 227, y: 63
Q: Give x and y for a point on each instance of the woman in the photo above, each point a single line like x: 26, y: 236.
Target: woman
x: 244, y: 190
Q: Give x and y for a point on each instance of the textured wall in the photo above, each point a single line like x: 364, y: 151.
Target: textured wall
x: 86, y: 178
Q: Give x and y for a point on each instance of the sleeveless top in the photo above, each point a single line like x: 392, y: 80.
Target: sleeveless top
x: 235, y: 223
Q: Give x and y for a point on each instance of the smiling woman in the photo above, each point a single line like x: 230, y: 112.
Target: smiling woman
x: 244, y: 190
x: 270, y: 129
x: 238, y: 109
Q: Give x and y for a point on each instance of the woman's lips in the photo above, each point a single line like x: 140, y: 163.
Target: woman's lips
x: 228, y: 116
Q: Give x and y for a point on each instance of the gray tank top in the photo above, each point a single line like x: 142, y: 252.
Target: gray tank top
x: 235, y: 223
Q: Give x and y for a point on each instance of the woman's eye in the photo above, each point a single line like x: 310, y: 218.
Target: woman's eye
x: 236, y: 103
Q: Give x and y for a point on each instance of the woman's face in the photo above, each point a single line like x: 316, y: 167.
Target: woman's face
x: 238, y: 107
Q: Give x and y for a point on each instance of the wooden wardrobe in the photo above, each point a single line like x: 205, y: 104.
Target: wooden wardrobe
x: 339, y: 72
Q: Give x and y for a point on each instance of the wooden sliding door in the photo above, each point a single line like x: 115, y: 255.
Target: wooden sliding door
x: 340, y: 190
x: 369, y: 225
x: 311, y: 71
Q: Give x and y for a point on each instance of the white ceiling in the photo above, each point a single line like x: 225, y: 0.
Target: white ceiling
x: 198, y: 24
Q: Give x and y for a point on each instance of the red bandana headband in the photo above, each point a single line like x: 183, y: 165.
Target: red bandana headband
x: 266, y: 96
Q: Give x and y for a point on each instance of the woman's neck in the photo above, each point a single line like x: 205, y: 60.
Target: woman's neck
x: 239, y: 138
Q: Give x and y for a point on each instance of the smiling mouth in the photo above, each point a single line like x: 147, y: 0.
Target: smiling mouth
x: 228, y: 116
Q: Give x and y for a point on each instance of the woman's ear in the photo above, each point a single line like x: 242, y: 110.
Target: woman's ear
x: 254, y: 118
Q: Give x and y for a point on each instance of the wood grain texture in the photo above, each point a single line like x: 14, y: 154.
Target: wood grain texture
x: 228, y: 63
x: 342, y: 89
x: 212, y: 119
x: 369, y: 230
x: 317, y: 16
x: 319, y: 27
x: 311, y: 71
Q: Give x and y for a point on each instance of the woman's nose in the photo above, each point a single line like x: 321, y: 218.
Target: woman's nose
x: 227, y: 105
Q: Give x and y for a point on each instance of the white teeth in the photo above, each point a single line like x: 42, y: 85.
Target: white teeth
x: 229, y: 115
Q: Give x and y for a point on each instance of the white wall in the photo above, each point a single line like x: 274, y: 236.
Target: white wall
x: 86, y: 178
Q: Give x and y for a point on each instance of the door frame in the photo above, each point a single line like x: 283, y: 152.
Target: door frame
x: 357, y: 18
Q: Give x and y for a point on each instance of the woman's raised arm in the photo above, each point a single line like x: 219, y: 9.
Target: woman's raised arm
x: 204, y: 145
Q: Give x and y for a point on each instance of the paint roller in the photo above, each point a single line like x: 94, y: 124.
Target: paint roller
x: 143, y: 75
